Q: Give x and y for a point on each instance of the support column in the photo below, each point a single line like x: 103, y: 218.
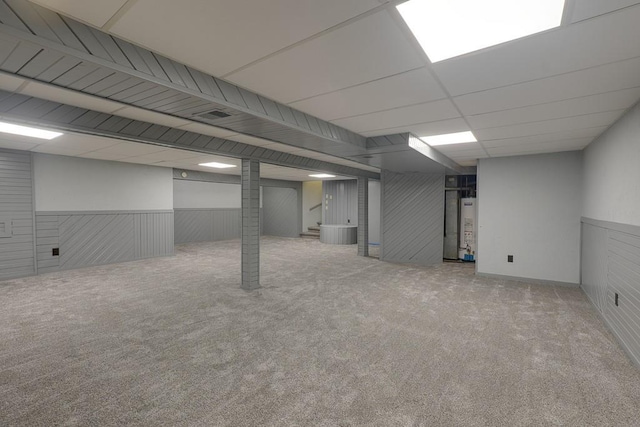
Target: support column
x: 363, y: 216
x: 250, y: 224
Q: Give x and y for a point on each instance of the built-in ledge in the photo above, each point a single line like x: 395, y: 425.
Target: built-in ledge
x: 337, y: 234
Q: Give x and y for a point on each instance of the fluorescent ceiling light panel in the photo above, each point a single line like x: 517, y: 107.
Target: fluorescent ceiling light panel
x: 322, y: 175
x: 217, y: 165
x: 448, y: 28
x: 449, y: 138
x: 28, y: 131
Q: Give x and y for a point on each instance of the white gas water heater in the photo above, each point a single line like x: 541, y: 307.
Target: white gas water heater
x: 468, y: 229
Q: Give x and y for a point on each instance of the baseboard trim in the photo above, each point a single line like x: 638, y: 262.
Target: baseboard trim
x: 529, y: 280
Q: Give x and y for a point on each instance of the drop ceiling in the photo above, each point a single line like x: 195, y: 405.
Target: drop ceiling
x: 356, y: 65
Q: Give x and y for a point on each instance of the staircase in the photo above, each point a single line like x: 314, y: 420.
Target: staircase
x: 311, y: 233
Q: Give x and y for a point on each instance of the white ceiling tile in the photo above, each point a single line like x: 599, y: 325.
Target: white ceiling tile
x: 606, y: 78
x: 81, y: 143
x: 100, y: 156
x: 466, y: 154
x: 19, y: 143
x: 583, y: 134
x: 70, y: 97
x: 425, y: 129
x: 126, y: 149
x: 207, y: 130
x: 93, y: 12
x: 454, y: 148
x: 591, y: 43
x: 585, y: 9
x: 412, y: 87
x: 53, y: 149
x: 167, y: 155
x: 151, y: 117
x: 371, y: 48
x: 550, y: 126
x: 467, y: 162
x: 402, y: 116
x: 551, y: 147
x: 10, y: 83
x: 572, y: 107
x: 232, y: 34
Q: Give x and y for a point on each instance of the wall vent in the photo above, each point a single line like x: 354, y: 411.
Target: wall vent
x: 213, y: 115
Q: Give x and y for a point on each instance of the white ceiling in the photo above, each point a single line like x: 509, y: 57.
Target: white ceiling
x: 355, y: 63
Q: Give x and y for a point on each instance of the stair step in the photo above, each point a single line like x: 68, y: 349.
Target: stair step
x: 310, y: 235
x: 314, y: 228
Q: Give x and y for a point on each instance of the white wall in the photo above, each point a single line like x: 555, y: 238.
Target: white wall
x: 311, y: 196
x: 529, y: 207
x: 77, y: 184
x: 611, y: 190
x: 205, y: 195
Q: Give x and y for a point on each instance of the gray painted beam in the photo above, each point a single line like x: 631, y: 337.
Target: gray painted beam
x: 363, y: 216
x: 250, y: 224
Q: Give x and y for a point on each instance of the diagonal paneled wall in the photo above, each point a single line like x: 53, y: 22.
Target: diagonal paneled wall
x: 95, y: 238
x: 412, y: 217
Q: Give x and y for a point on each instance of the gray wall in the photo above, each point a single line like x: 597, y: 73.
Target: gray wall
x: 611, y: 228
x: 207, y: 207
x: 95, y: 238
x: 412, y: 217
x: 100, y: 212
x: 374, y: 211
x: 16, y: 215
x: 341, y: 204
x: 529, y: 207
x: 206, y: 225
x: 610, y: 265
x: 280, y: 213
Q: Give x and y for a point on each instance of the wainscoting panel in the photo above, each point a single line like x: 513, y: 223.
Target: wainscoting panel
x: 16, y: 215
x: 611, y: 278
x: 93, y: 238
x: 206, y: 225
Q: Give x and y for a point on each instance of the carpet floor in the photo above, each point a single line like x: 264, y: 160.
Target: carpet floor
x: 331, y: 339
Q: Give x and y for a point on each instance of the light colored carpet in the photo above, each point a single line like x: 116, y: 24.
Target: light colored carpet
x: 332, y: 340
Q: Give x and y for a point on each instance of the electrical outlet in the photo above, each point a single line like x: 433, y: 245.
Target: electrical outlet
x: 509, y: 258
x: 55, y: 252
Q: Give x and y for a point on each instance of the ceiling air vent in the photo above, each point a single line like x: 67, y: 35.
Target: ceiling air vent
x: 213, y: 115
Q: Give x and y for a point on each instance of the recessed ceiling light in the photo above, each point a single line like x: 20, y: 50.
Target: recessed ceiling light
x: 217, y: 165
x: 448, y: 28
x: 322, y: 175
x: 449, y: 138
x: 28, y: 131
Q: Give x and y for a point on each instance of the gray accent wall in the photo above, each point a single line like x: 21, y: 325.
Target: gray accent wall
x: 280, y: 211
x: 206, y: 225
x: 207, y: 207
x: 610, y: 266
x: 16, y: 215
x: 95, y: 238
x: 412, y: 217
x: 340, y: 200
x: 529, y: 207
